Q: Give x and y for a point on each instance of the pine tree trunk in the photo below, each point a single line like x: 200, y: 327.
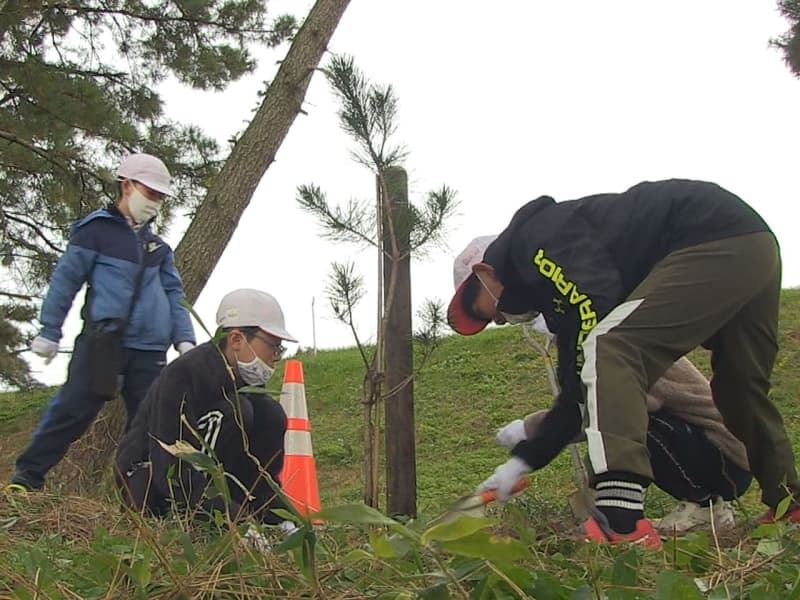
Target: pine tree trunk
x: 219, y: 213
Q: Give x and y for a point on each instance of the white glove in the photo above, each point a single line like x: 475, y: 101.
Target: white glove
x: 505, y: 477
x: 512, y: 434
x: 258, y: 540
x: 288, y: 527
x: 540, y: 325
x: 45, y: 348
x: 184, y: 347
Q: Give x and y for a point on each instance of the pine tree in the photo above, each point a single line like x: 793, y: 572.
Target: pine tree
x: 789, y: 42
x: 398, y: 230
x: 78, y: 90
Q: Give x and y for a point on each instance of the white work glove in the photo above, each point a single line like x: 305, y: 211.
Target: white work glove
x: 540, y: 326
x: 184, y: 347
x: 45, y: 348
x: 505, y: 477
x: 257, y: 540
x: 512, y: 434
x: 288, y: 527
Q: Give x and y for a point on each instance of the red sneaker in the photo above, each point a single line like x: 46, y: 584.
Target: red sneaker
x: 596, y: 529
x: 792, y: 516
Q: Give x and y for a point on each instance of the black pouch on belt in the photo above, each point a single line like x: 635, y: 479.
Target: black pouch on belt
x: 106, y: 352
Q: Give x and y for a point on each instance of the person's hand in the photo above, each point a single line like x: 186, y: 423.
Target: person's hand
x: 257, y: 540
x: 288, y: 527
x: 512, y: 434
x: 505, y: 477
x: 45, y: 348
x: 184, y: 347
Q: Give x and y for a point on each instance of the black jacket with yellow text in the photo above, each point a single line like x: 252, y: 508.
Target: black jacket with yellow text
x: 575, y: 261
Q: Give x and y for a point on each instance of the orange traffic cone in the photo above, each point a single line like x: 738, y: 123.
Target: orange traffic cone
x: 299, y: 474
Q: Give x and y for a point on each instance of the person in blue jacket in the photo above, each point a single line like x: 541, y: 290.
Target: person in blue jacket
x: 133, y: 312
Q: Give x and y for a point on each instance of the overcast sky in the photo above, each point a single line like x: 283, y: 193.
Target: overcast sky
x: 503, y: 105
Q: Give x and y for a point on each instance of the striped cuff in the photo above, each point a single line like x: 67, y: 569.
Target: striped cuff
x: 620, y: 494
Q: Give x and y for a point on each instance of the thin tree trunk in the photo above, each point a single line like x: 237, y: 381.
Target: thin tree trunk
x: 371, y: 397
x: 219, y: 213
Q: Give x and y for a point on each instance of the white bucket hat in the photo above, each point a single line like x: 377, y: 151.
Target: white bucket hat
x: 148, y: 170
x: 253, y: 308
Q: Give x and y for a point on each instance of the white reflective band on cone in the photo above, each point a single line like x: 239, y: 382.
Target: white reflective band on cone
x: 293, y: 400
x: 298, y: 443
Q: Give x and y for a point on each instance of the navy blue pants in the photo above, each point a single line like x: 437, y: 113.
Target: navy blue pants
x: 687, y: 465
x: 74, y: 407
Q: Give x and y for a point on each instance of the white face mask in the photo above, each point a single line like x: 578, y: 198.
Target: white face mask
x: 142, y: 209
x: 518, y: 319
x: 255, y: 372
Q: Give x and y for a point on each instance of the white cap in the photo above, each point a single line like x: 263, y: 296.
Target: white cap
x: 148, y: 170
x: 253, y: 308
x: 471, y: 255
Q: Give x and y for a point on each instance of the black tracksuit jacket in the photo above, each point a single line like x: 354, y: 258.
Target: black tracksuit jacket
x: 574, y: 261
x: 199, y: 387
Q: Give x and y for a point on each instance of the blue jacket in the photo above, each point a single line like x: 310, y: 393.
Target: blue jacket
x: 105, y: 252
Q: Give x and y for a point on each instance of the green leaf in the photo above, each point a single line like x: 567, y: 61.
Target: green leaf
x: 438, y: 591
x: 463, y: 526
x: 547, y: 586
x: 769, y: 547
x: 295, y: 540
x: 782, y: 507
x: 219, y: 335
x: 766, y: 530
x: 188, y: 549
x: 671, y: 585
x: 381, y: 545
x: 286, y: 515
x: 626, y: 569
x: 308, y: 564
x: 185, y: 451
x: 485, y: 545
x: 359, y: 554
x: 140, y: 572
x: 353, y: 513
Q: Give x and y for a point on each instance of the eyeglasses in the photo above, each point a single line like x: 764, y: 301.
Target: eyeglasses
x: 278, y: 350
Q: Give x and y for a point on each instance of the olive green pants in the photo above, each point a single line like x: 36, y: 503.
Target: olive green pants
x: 723, y: 295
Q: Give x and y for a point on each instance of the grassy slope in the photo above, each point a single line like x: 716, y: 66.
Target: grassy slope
x: 59, y: 545
x: 470, y: 387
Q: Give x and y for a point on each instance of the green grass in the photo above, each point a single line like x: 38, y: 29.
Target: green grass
x: 470, y: 387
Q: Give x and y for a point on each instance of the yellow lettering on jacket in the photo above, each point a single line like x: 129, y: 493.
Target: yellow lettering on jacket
x: 552, y: 271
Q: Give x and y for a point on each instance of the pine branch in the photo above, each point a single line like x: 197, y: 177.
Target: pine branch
x: 6, y: 135
x: 153, y: 17
x: 429, y: 226
x: 19, y: 296
x: 345, y: 287
x: 348, y: 224
x: 35, y: 228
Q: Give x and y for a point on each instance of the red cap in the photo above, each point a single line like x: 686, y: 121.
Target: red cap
x: 460, y: 320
